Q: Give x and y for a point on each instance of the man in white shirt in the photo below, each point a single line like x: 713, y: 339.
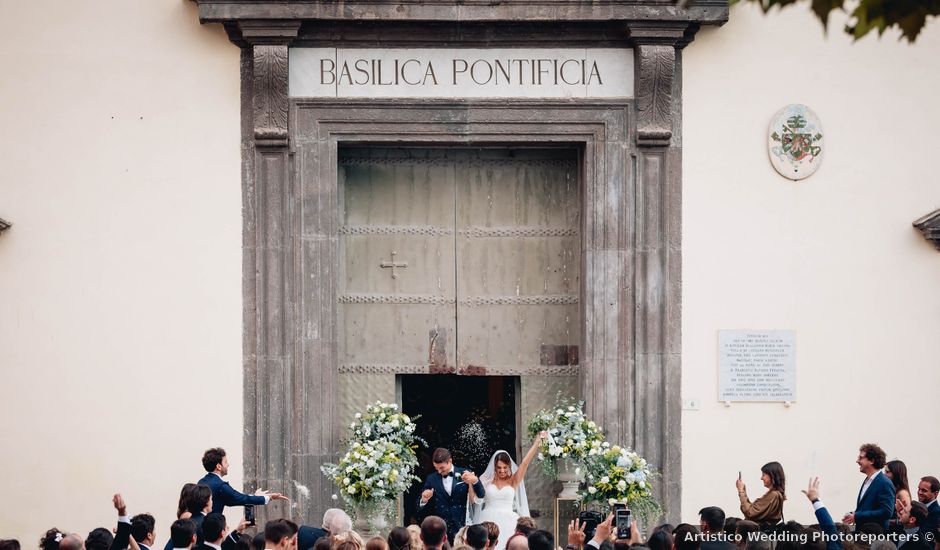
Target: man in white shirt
x: 875, y: 503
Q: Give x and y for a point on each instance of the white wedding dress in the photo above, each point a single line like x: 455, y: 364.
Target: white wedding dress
x: 498, y: 508
x: 501, y: 506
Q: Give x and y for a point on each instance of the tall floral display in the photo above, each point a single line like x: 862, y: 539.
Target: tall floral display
x: 572, y: 439
x: 378, y: 466
x: 620, y: 476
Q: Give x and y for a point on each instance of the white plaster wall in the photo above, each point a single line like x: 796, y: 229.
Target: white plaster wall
x: 120, y: 281
x: 833, y: 257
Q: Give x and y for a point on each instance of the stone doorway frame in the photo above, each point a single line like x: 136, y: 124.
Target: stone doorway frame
x: 630, y: 370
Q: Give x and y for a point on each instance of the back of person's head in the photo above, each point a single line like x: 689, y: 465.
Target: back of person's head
x: 347, y: 544
x: 541, y: 540
x: 730, y: 525
x: 814, y: 539
x: 51, y: 540
x: 376, y: 543
x: 883, y: 545
x: 72, y: 542
x: 186, y: 494
x: 433, y: 530
x: 660, y: 540
x: 713, y: 519
x: 440, y: 456
x: 213, y: 527
x: 686, y: 537
x: 518, y: 542
x: 243, y: 542
x: 758, y: 543
x: 336, y: 521
x: 142, y: 526
x: 9, y: 544
x: 276, y: 530
x: 399, y: 539
x: 492, y: 532
x: 182, y: 532
x: 198, y: 499
x: 323, y: 543
x: 460, y: 538
x: 415, y: 532
x: 525, y: 525
x: 743, y: 529
x: 212, y: 458
x: 99, y: 539
x: 791, y: 539
x: 477, y: 537
x: 257, y: 541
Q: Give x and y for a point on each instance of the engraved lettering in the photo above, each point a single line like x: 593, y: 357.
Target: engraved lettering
x: 327, y: 68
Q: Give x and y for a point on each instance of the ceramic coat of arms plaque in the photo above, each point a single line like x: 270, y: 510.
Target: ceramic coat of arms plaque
x: 795, y: 142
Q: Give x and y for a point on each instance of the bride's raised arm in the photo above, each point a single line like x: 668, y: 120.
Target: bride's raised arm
x: 527, y: 459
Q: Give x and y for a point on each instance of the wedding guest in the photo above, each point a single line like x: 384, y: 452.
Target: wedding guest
x: 9, y: 544
x: 325, y: 543
x: 399, y: 539
x: 742, y: 532
x: 100, y: 538
x: 376, y: 543
x: 492, y: 532
x: 876, y: 501
x: 72, y: 542
x: 541, y: 540
x: 280, y: 534
x: 477, y: 537
x: 768, y: 509
x: 142, y: 529
x: 731, y: 525
x: 433, y: 533
x: 257, y: 541
x: 336, y: 521
x: 415, y: 532
x: 197, y: 506
x: 686, y: 537
x: 660, y: 540
x: 518, y: 542
x: 186, y: 494
x: 927, y: 491
x: 214, y: 534
x: 712, y: 523
x: 182, y: 534
x: 525, y: 525
x: 52, y: 539
x: 460, y: 539
x: 215, y: 462
x: 896, y: 471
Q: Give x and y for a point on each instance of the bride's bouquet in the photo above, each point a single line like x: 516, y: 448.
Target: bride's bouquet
x: 571, y: 434
x: 621, y: 476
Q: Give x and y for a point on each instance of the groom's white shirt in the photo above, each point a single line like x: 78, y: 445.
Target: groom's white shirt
x: 449, y: 481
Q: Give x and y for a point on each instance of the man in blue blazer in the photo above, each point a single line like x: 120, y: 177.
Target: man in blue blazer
x: 875, y: 503
x: 927, y: 491
x: 216, y: 464
x: 445, y: 492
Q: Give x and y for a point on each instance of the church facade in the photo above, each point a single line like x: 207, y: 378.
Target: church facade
x: 466, y: 208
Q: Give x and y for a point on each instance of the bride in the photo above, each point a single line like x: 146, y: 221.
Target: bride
x: 505, y: 498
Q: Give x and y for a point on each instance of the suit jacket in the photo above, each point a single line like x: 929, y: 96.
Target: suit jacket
x: 933, y: 519
x: 452, y: 508
x: 828, y: 527
x: 197, y: 519
x: 308, y: 536
x: 122, y: 538
x: 877, y: 505
x: 224, y: 495
x: 228, y: 543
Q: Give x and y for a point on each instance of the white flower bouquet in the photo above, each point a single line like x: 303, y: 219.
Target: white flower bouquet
x: 571, y: 434
x: 621, y: 476
x: 373, y: 471
x: 381, y: 459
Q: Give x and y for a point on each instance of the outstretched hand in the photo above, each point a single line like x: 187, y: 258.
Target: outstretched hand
x: 812, y: 490
x: 604, y: 529
x: 119, y: 505
x: 576, y: 534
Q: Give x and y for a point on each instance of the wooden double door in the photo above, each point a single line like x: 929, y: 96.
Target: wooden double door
x: 458, y: 260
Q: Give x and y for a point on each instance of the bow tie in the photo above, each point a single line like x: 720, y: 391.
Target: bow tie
x: 449, y: 474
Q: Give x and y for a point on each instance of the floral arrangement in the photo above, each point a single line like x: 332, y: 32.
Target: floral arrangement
x: 373, y: 470
x: 381, y: 459
x: 571, y: 434
x: 620, y: 476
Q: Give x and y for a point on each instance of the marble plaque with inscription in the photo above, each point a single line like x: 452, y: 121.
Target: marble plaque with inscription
x: 756, y: 365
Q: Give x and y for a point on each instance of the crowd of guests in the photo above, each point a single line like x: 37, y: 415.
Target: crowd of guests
x: 886, y: 518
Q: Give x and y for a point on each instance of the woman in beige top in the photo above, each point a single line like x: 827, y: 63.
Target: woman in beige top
x: 897, y: 473
x: 768, y: 509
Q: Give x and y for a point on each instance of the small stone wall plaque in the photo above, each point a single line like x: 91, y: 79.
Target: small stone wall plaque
x: 795, y: 142
x: 757, y: 365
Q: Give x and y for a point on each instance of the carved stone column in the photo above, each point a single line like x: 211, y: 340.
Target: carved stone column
x: 658, y: 252
x: 269, y: 238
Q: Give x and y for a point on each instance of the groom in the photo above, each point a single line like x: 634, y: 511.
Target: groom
x: 445, y: 492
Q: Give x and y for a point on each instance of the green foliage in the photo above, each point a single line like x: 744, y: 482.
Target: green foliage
x: 909, y: 16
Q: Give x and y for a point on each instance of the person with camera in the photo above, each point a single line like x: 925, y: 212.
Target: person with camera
x: 767, y: 510
x: 603, y: 535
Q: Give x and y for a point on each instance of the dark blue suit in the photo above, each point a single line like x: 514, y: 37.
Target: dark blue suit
x: 877, y: 505
x: 933, y: 519
x: 224, y: 495
x: 828, y: 527
x: 452, y: 508
x: 308, y: 536
x: 197, y: 519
